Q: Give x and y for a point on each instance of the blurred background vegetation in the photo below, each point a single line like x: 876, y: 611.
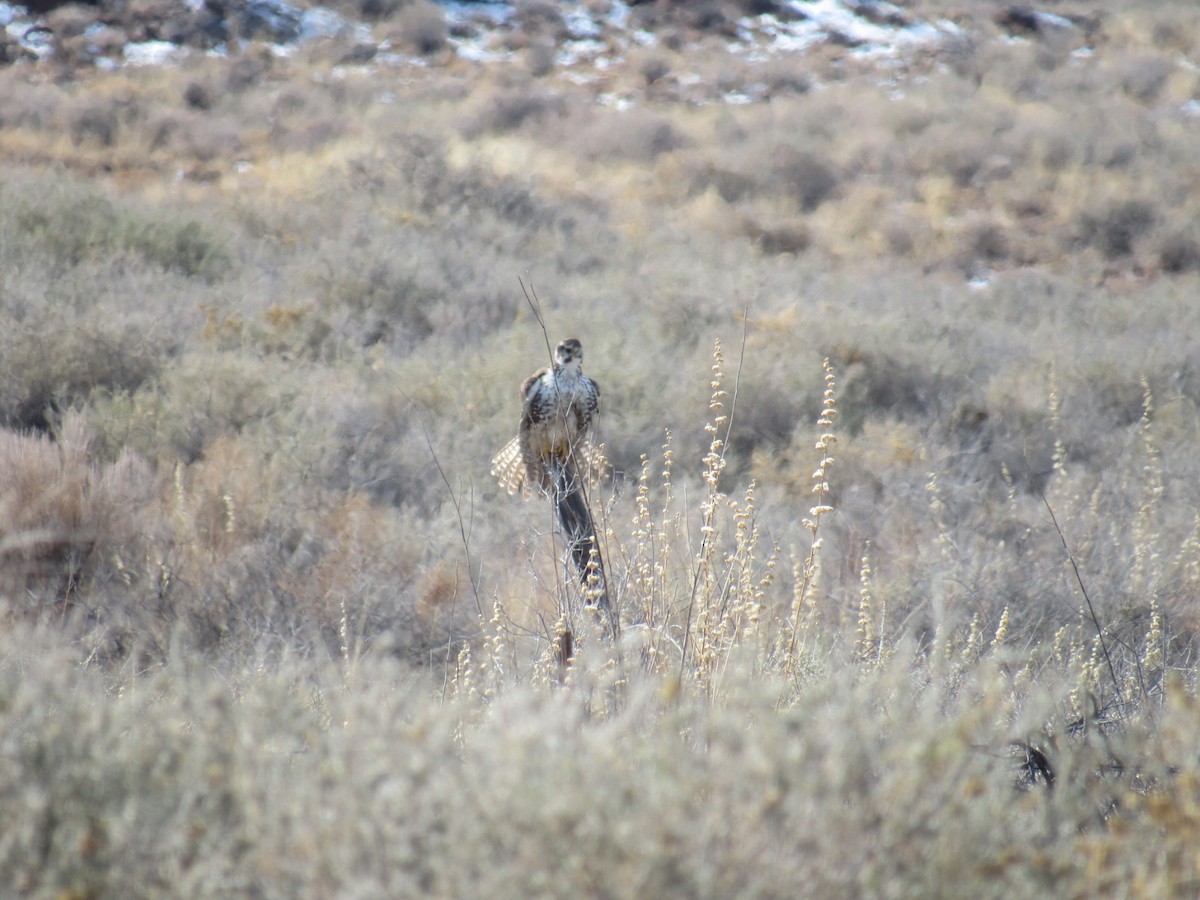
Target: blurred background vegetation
x: 273, y: 629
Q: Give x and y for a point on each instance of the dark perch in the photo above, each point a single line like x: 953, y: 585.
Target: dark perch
x: 580, y: 533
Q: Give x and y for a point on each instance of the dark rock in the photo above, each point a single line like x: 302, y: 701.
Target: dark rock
x: 40, y: 8
x: 271, y: 20
x: 169, y: 20
x: 11, y: 50
x: 1019, y: 21
x: 212, y: 26
x: 879, y: 13
x: 706, y: 17
x: 374, y: 10
x: 1062, y: 32
x: 1025, y: 21
x: 763, y: 8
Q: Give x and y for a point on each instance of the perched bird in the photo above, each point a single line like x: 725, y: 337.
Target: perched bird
x: 558, y: 408
x: 553, y: 452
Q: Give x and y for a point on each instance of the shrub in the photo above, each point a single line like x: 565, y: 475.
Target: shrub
x: 96, y: 123
x: 771, y: 240
x: 1143, y: 77
x: 422, y: 26
x: 63, y: 519
x: 71, y: 224
x: 653, y: 68
x: 804, y: 176
x: 1179, y: 251
x: 1113, y: 226
x: 635, y: 134
x: 71, y: 330
x: 511, y: 109
x: 540, y: 17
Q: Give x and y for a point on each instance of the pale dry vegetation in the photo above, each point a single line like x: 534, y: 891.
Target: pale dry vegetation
x: 272, y: 631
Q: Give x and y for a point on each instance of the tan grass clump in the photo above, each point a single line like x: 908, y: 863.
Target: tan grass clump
x: 61, y: 516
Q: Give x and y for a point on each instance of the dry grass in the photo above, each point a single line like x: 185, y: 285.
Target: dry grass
x: 272, y: 631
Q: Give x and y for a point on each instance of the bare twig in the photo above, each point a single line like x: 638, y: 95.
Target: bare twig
x: 737, y: 381
x: 1083, y: 588
x: 535, y: 305
x: 463, y: 530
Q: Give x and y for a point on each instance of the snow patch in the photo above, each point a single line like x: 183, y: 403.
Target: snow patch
x: 152, y: 53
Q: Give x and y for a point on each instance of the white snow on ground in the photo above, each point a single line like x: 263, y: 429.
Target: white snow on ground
x: 593, y: 34
x: 152, y: 53
x: 592, y: 37
x: 594, y: 42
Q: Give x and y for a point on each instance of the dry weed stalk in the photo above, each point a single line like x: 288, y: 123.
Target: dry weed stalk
x: 868, y: 639
x: 656, y: 541
x: 1001, y: 634
x: 1058, y: 458
x: 703, y: 624
x: 807, y: 575
x: 741, y: 593
x: 1186, y: 563
x: 1153, y: 653
x: 1145, y: 572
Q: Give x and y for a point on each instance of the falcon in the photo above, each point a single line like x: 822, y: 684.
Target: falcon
x: 558, y: 409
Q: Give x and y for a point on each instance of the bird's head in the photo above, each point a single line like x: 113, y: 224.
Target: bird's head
x: 569, y: 352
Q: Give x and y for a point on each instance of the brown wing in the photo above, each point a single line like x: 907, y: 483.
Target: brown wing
x: 528, y: 383
x: 511, y: 465
x: 519, y: 466
x: 509, y: 468
x: 589, y: 405
x: 589, y: 455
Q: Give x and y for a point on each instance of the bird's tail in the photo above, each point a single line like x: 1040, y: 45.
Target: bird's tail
x: 570, y: 502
